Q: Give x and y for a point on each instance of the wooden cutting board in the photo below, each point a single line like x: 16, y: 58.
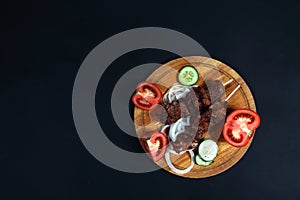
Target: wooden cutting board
x: 164, y: 77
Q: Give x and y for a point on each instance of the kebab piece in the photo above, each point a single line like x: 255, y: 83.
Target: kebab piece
x: 196, y: 104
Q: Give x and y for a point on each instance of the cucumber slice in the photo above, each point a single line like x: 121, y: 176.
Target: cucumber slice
x: 188, y: 75
x: 208, y: 150
x: 201, y: 162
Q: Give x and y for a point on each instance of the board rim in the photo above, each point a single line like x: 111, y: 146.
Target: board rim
x: 229, y: 73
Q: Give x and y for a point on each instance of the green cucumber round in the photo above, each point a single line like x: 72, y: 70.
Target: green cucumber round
x: 188, y: 75
x: 208, y: 150
x: 201, y: 162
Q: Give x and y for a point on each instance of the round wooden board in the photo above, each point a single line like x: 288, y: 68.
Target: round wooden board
x: 164, y: 77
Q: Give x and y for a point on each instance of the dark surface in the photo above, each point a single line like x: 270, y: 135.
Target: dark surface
x: 43, y: 45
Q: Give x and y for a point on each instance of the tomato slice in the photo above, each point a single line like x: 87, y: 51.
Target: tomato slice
x: 240, y: 126
x: 235, y: 137
x: 148, y: 95
x: 155, y: 144
x: 245, y: 116
x: 143, y: 103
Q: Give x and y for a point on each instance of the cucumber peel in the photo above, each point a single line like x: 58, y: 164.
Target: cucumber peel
x: 201, y: 162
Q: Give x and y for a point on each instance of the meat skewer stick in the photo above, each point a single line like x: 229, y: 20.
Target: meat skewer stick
x: 216, y: 90
x: 232, y: 93
x: 228, y: 82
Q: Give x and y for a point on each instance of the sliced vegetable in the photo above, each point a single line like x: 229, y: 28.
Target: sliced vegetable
x: 155, y: 144
x: 235, y: 137
x: 176, y: 92
x: 164, y: 128
x: 176, y: 170
x: 178, y: 127
x: 201, y: 162
x: 208, y: 150
x: 148, y: 95
x: 247, y: 118
x: 240, y: 126
x: 188, y: 75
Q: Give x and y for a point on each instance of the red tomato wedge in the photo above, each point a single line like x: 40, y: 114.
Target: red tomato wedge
x: 240, y: 126
x: 147, y: 96
x: 155, y: 144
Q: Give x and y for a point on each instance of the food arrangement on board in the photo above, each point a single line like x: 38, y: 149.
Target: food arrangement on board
x: 191, y: 112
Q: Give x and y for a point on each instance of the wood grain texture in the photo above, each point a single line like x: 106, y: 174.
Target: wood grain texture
x: 164, y: 77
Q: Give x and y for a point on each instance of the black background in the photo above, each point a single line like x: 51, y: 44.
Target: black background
x: 43, y: 45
